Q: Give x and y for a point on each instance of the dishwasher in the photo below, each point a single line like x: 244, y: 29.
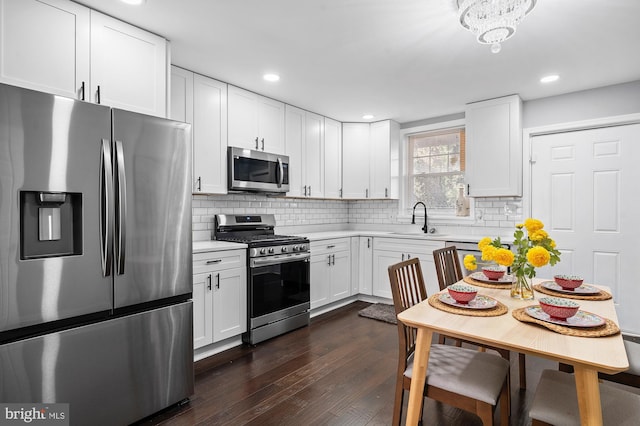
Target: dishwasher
x: 468, y: 247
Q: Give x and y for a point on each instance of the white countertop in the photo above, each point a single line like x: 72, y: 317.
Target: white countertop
x: 207, y: 246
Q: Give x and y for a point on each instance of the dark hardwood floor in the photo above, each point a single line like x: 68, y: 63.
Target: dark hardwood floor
x: 338, y: 371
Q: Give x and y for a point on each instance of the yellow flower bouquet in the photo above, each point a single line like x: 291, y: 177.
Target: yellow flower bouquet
x: 532, y: 250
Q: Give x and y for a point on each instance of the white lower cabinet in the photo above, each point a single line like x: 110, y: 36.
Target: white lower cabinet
x: 330, y: 271
x: 365, y: 265
x: 388, y: 251
x: 219, y: 296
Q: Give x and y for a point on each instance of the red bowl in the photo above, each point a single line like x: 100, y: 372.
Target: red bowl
x: 493, y: 273
x: 462, y: 293
x: 559, y: 308
x: 568, y: 282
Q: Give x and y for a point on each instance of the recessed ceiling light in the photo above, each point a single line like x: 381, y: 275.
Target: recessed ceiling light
x: 271, y: 77
x: 133, y: 2
x: 367, y: 117
x: 549, y: 78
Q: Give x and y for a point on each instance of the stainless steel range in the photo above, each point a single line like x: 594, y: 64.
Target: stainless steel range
x: 278, y: 275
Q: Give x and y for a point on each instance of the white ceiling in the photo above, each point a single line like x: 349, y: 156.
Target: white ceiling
x: 400, y: 59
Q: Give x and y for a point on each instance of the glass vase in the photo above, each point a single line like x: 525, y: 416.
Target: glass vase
x: 521, y: 287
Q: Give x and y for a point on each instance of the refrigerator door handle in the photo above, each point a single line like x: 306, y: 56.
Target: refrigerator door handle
x: 121, y: 208
x: 106, y: 208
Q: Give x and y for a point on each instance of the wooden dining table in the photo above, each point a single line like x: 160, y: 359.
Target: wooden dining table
x: 588, y: 355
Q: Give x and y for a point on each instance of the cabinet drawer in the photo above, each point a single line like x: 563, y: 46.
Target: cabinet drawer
x: 330, y: 246
x: 219, y: 260
x: 404, y: 245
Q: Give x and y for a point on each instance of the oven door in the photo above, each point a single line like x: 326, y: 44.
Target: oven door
x: 257, y: 171
x: 278, y: 288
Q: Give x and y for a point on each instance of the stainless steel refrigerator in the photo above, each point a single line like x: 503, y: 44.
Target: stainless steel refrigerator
x: 95, y: 258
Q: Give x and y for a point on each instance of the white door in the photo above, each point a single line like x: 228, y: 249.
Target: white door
x: 229, y: 303
x: 583, y: 189
x: 332, y: 158
x: 340, y: 275
x: 243, y: 118
x: 313, y: 154
x: 202, y: 310
x: 320, y: 291
x: 271, y: 125
x: 380, y: 172
x: 355, y: 160
x: 294, y: 139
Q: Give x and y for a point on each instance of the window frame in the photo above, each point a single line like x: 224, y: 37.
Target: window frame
x: 404, y: 205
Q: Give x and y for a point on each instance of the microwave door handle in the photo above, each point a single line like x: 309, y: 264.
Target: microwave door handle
x: 281, y: 172
x: 121, y: 214
x: 106, y: 208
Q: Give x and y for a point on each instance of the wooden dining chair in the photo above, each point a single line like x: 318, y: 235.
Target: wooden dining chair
x: 556, y: 403
x: 464, y: 378
x: 449, y: 271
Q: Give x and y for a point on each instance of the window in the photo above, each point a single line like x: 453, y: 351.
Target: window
x: 436, y: 169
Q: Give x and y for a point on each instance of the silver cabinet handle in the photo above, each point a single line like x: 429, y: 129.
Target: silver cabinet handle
x: 408, y: 256
x: 121, y: 208
x: 263, y: 144
x: 331, y: 246
x: 256, y: 142
x: 340, y: 192
x: 199, y: 187
x: 305, y: 190
x: 211, y: 262
x: 82, y: 91
x: 366, y: 193
x: 403, y: 257
x: 209, y: 281
x: 386, y: 193
x: 309, y: 190
x: 98, y: 95
x: 106, y: 209
x: 329, y: 260
x: 218, y: 281
x: 368, y: 242
x: 333, y: 256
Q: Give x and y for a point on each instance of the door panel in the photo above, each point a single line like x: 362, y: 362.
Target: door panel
x: 157, y: 227
x: 584, y: 190
x: 49, y: 143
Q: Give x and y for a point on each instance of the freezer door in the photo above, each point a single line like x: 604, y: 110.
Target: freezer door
x: 111, y: 373
x: 51, y: 257
x: 152, y: 185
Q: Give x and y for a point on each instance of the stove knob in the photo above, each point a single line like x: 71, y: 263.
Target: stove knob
x: 271, y: 250
x: 263, y: 251
x: 295, y: 248
x: 284, y: 249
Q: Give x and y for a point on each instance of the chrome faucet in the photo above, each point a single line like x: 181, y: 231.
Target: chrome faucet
x: 425, y: 228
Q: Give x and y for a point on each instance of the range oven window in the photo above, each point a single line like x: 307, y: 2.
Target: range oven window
x: 277, y: 287
x: 253, y: 170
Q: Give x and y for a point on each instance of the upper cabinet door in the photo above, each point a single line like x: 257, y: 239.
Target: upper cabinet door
x: 355, y: 160
x: 332, y: 158
x: 243, y: 118
x: 44, y: 45
x: 314, y: 154
x: 380, y: 177
x: 494, y: 147
x: 271, y: 125
x: 255, y: 122
x: 209, y: 135
x: 294, y: 139
x: 128, y: 66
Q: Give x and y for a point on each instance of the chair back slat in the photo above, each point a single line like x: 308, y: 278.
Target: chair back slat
x: 448, y: 267
x: 408, y: 289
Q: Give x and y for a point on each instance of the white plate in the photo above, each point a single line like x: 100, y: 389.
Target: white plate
x: 584, y: 289
x: 505, y: 279
x: 581, y: 319
x: 478, y: 302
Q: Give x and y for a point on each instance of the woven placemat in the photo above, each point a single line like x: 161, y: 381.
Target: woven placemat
x: 499, y: 309
x: 470, y: 280
x: 609, y: 328
x: 603, y: 295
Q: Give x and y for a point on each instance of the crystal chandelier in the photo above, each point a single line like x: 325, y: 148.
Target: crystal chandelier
x: 493, y: 21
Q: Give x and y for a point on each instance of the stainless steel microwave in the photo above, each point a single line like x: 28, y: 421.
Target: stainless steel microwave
x: 257, y: 171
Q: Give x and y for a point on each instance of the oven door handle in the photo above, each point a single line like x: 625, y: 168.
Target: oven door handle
x: 276, y: 260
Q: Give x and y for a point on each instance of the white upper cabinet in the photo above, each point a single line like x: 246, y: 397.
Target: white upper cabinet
x: 304, y: 142
x: 494, y: 147
x: 44, y: 45
x: 313, y: 150
x: 61, y: 47
x: 366, y: 164
x: 255, y: 122
x: 202, y: 102
x: 128, y: 66
x: 332, y: 158
x: 355, y: 164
